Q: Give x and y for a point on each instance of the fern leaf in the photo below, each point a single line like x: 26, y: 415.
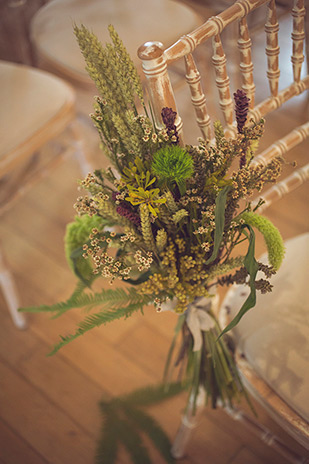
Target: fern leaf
x: 133, y: 442
x: 96, y: 320
x: 80, y: 299
x: 150, y: 427
x: 106, y: 452
x: 63, y: 306
x: 152, y: 394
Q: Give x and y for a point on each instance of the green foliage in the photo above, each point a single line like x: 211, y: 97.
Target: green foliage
x: 114, y: 304
x: 252, y: 267
x: 125, y: 422
x: 172, y: 164
x: 77, y: 234
x: 153, y: 394
x: 219, y: 222
x: 272, y: 237
x: 96, y: 320
x: 219, y: 132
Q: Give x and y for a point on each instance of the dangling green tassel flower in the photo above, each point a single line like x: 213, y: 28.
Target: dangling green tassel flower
x: 173, y: 165
x: 272, y: 237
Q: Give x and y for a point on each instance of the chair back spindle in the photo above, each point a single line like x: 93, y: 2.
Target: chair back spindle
x: 272, y: 48
x: 246, y: 65
x: 298, y: 38
x: 156, y: 60
x: 198, y: 99
x: 223, y: 82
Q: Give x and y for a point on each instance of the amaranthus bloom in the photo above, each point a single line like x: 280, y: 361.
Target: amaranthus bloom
x: 241, y: 109
x: 169, y: 117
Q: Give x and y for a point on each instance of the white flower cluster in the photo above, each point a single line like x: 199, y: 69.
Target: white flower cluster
x: 143, y: 262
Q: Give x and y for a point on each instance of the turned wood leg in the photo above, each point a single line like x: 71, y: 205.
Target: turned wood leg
x: 81, y: 152
x: 9, y: 290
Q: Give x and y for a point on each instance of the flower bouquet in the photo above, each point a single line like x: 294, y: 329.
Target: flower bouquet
x: 167, y: 220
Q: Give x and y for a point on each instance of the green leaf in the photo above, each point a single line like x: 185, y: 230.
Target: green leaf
x: 80, y: 299
x: 106, y: 452
x: 252, y: 267
x: 150, y: 427
x: 178, y: 327
x: 61, y: 307
x: 152, y: 394
x: 142, y: 278
x: 133, y: 442
x: 219, y: 221
x: 126, y: 423
x: 96, y: 320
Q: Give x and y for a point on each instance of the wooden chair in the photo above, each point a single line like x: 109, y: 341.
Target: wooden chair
x: 156, y: 61
x: 37, y: 109
x: 135, y: 21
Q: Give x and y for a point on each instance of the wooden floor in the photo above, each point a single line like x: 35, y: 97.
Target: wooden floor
x: 49, y: 406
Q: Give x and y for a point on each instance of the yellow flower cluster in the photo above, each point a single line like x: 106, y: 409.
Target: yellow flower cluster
x: 182, y: 275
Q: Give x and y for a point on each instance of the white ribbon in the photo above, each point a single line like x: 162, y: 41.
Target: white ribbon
x: 198, y: 319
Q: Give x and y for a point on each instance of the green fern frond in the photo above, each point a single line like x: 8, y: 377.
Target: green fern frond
x: 60, y: 307
x: 133, y: 442
x: 96, y: 320
x: 153, y: 394
x: 106, y: 452
x: 80, y: 299
x: 125, y: 422
x: 153, y: 430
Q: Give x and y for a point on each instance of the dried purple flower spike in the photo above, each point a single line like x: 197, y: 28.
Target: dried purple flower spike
x: 241, y: 109
x: 169, y: 117
x: 130, y: 215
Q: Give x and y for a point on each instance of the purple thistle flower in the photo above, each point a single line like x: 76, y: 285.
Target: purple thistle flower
x: 169, y: 117
x: 241, y: 109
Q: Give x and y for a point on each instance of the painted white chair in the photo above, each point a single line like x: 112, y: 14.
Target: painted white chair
x: 36, y: 108
x: 156, y: 61
x: 135, y: 21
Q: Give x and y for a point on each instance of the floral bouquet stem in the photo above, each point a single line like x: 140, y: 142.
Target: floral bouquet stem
x: 205, y: 360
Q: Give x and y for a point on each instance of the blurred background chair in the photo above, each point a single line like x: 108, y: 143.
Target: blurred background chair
x: 269, y: 348
x: 56, y: 47
x: 38, y: 130
x: 273, y: 349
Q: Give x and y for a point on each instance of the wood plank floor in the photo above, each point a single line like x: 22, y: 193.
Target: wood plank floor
x: 49, y: 406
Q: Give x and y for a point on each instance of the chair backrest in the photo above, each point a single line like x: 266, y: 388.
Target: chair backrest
x: 156, y: 60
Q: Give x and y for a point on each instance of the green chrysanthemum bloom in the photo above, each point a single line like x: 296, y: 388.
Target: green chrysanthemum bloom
x: 272, y: 237
x: 77, y: 234
x: 171, y: 165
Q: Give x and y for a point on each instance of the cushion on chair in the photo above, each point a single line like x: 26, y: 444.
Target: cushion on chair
x: 274, y: 336
x: 136, y: 21
x: 29, y: 100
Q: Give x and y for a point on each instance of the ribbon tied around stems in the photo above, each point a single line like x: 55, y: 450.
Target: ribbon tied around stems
x: 197, y: 317
x: 199, y: 320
